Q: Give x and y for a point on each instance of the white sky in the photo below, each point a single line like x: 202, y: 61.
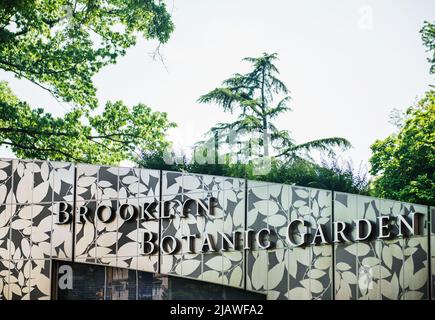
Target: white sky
x: 347, y: 64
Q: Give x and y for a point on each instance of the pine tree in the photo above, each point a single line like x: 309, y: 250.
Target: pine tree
x: 254, y: 94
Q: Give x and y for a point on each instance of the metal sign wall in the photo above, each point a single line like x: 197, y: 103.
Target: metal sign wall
x: 234, y: 232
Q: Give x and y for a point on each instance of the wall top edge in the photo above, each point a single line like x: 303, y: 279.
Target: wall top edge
x: 382, y: 199
x: 201, y: 174
x: 267, y: 183
x: 248, y: 181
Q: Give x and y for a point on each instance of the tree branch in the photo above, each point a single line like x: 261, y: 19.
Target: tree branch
x: 37, y: 132
x: 33, y: 147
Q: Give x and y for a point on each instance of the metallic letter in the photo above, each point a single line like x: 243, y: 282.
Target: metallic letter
x: 228, y: 242
x: 190, y: 242
x: 207, y: 241
x: 187, y: 207
x: 319, y: 233
x: 383, y: 226
x: 100, y: 210
x: 148, y: 210
x: 259, y: 239
x: 359, y: 230
x: 203, y: 209
x: 82, y: 214
x: 63, y: 215
x: 166, y: 214
x: 303, y: 233
x: 130, y: 209
x: 403, y: 221
x: 147, y: 239
x: 247, y: 239
x: 172, y: 248
x: 339, y: 228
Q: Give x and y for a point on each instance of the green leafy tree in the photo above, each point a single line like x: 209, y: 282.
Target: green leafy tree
x: 60, y: 44
x: 428, y: 38
x: 261, y: 97
x: 118, y: 133
x: 404, y: 163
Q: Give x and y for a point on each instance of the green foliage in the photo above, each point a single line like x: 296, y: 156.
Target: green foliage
x: 60, y: 44
x: 330, y: 175
x: 428, y: 37
x: 151, y: 159
x: 116, y: 134
x: 404, y: 163
x: 254, y: 95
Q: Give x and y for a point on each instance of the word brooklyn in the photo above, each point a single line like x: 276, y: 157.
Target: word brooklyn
x: 298, y: 231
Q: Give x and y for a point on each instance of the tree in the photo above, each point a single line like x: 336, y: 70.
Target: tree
x: 254, y: 94
x: 116, y: 134
x: 60, y: 44
x: 404, y: 163
x: 428, y: 38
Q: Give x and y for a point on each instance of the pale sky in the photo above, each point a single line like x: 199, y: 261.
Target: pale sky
x: 347, y: 64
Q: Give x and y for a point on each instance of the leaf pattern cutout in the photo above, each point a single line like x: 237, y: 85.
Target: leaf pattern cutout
x: 217, y: 267
x: 398, y: 267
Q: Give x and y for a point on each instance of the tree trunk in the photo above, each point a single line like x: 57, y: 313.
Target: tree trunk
x: 216, y: 147
x: 264, y: 116
x: 265, y: 138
